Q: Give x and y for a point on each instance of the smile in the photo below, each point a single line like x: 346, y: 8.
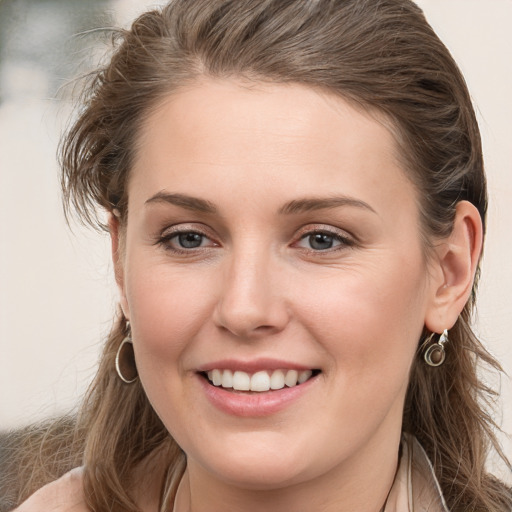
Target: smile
x: 260, y: 381
x: 254, y: 391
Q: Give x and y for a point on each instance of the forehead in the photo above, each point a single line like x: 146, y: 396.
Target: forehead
x: 273, y: 140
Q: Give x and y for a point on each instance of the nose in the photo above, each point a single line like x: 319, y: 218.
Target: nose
x: 251, y: 302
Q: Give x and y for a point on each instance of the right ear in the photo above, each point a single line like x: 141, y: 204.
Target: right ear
x: 117, y: 259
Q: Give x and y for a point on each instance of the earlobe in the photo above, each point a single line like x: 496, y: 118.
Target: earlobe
x: 457, y: 258
x: 117, y: 260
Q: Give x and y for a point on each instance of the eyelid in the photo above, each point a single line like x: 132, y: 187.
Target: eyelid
x: 310, y: 229
x: 184, y: 227
x: 179, y: 225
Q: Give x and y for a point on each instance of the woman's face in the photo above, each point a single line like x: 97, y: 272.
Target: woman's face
x: 272, y: 230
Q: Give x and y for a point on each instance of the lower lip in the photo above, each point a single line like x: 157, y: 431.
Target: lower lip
x: 255, y: 404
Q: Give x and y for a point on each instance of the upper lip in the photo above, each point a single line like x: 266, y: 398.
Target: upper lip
x: 253, y: 366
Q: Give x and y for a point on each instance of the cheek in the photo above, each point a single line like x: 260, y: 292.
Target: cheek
x: 368, y: 324
x: 167, y: 311
x: 368, y: 319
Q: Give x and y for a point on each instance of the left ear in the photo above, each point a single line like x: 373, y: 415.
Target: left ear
x: 454, y: 267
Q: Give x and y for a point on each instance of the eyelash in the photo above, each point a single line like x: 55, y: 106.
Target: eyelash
x: 166, y: 241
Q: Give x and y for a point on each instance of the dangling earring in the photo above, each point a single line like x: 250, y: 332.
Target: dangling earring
x: 434, y: 353
x: 125, y: 361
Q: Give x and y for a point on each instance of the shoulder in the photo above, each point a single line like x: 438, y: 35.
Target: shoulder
x: 62, y: 495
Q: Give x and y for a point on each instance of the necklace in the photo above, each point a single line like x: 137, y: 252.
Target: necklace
x: 387, y: 497
x: 179, y: 487
x: 174, y: 508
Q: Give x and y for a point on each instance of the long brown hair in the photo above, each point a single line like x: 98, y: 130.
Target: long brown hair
x: 382, y: 56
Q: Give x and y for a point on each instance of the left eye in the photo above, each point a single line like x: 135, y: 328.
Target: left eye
x: 321, y: 241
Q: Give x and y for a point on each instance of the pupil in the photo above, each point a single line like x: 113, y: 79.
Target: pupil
x: 190, y: 240
x: 321, y: 241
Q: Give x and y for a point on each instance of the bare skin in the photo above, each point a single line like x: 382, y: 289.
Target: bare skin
x: 306, y: 249
x: 274, y: 223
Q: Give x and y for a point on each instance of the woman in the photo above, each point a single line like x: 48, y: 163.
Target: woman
x: 296, y: 202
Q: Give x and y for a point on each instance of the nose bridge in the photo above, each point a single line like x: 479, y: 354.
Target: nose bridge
x: 250, y: 301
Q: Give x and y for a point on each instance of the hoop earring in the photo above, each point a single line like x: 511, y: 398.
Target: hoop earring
x: 125, y: 361
x: 435, y: 354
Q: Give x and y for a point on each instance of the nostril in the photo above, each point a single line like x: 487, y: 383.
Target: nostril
x: 248, y: 330
x: 264, y: 328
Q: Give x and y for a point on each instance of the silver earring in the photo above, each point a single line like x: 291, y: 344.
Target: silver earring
x: 125, y: 361
x: 435, y: 354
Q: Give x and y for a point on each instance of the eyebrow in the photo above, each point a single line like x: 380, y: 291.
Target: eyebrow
x: 188, y: 202
x: 310, y: 204
x: 293, y: 207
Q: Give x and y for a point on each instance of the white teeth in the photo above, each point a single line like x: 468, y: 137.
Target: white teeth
x: 241, y: 381
x: 227, y: 379
x: 277, y: 380
x: 260, y: 381
x: 304, y: 376
x: 216, y: 377
x: 291, y: 378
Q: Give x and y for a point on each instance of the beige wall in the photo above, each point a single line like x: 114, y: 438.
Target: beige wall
x: 56, y: 289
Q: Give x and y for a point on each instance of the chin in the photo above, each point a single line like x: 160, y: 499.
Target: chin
x: 258, y: 463
x: 266, y: 475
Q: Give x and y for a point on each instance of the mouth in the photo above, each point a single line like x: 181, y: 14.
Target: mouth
x: 259, y: 382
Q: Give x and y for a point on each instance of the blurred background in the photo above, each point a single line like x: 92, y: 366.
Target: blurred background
x: 57, y: 294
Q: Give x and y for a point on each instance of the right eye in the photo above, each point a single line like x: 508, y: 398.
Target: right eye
x: 185, y: 241
x: 190, y: 240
